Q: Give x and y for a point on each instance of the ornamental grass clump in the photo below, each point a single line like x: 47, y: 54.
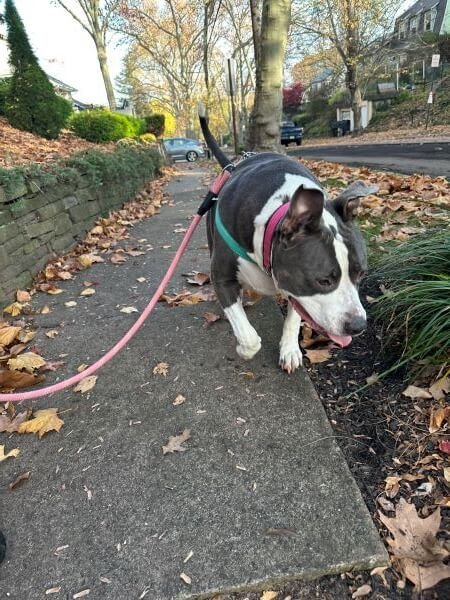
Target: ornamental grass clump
x: 415, y: 306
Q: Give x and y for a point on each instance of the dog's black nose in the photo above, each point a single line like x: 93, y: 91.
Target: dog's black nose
x: 355, y: 325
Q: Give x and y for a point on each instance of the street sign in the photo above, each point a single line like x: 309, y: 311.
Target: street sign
x: 430, y: 98
x: 435, y: 59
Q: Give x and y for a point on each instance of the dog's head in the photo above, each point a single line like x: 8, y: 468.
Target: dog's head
x: 319, y: 259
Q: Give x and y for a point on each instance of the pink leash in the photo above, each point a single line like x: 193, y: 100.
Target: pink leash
x: 62, y: 385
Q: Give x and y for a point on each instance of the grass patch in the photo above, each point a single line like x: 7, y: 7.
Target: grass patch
x: 415, y: 308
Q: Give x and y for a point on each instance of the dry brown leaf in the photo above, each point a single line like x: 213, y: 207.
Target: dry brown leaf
x: 198, y: 278
x: 26, y: 336
x: 87, y: 292
x: 437, y: 418
x: 28, y: 361
x: 54, y: 291
x: 53, y: 590
x: 10, y: 425
x: 412, y: 391
x: 81, y: 594
x: 128, y: 310
x: 20, y: 479
x: 362, y: 591
x: 186, y: 578
x: 178, y: 400
x: 175, y: 442
x: 23, y: 296
x: 318, y: 355
x: 437, y: 390
x: 380, y: 572
x: 42, y: 422
x: 117, y: 259
x: 85, y: 261
x: 70, y: 303
x: 392, y: 486
x: 52, y: 333
x: 210, y: 318
x: 161, y: 368
x: 13, y: 309
x: 415, y: 549
x: 269, y: 595
x: 8, y: 334
x: 12, y: 380
x: 86, y: 384
x: 11, y: 454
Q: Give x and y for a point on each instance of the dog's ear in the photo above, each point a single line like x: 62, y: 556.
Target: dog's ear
x: 348, y: 201
x: 305, y: 211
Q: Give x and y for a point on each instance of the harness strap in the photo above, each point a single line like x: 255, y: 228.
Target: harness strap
x: 228, y: 238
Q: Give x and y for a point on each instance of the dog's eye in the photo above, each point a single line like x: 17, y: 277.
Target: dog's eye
x: 325, y: 282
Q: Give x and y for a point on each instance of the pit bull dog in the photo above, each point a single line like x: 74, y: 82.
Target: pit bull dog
x: 273, y: 230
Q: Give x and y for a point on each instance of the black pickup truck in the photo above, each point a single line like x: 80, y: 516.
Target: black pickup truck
x: 290, y: 133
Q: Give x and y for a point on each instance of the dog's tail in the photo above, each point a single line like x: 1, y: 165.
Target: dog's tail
x: 210, y: 139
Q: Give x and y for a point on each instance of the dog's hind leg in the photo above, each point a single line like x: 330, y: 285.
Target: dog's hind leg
x: 290, y: 354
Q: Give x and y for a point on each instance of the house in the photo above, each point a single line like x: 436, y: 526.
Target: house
x: 424, y: 16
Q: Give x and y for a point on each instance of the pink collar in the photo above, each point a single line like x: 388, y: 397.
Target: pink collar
x: 269, y: 232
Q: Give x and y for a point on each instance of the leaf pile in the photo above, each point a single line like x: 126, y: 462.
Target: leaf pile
x: 39, y: 422
x: 19, y: 366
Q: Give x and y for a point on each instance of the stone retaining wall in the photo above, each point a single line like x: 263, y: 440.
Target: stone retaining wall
x: 37, y: 222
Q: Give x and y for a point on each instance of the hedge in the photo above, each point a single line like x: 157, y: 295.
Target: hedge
x: 101, y: 126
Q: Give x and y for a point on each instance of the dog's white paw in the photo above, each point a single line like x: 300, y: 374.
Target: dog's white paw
x: 291, y: 357
x: 247, y: 352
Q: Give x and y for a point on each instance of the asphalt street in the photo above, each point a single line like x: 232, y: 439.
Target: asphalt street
x: 431, y: 158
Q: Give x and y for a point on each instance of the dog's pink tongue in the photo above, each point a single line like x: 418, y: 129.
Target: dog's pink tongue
x: 340, y: 340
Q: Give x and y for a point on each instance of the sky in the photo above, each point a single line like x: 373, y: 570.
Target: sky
x: 65, y: 50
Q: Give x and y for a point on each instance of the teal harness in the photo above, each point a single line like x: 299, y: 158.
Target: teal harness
x: 229, y: 239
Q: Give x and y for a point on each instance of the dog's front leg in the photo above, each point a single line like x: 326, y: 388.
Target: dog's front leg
x: 290, y: 354
x: 229, y: 295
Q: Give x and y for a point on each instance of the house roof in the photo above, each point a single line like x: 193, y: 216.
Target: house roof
x: 418, y: 7
x: 61, y: 84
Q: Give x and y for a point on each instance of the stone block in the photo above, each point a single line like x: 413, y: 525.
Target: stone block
x: 81, y: 213
x: 63, y: 243
x: 5, y: 216
x: 7, y: 232
x: 37, y: 229
x: 15, y: 190
x: 15, y: 243
x: 51, y: 210
x: 70, y: 201
x: 63, y: 224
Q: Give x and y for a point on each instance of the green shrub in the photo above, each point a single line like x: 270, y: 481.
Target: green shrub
x: 155, y: 124
x: 101, y: 126
x: 415, y: 310
x: 302, y: 119
x: 4, y: 90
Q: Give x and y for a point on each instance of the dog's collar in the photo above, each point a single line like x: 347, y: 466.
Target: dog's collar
x: 228, y: 238
x: 269, y: 232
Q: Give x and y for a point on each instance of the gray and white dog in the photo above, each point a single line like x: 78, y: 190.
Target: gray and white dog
x: 316, y: 255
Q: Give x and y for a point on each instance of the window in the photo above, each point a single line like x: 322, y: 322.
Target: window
x: 427, y: 21
x: 402, y: 30
x: 413, y: 24
x: 433, y: 17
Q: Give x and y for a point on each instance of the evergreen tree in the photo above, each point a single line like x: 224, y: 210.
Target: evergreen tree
x: 31, y: 104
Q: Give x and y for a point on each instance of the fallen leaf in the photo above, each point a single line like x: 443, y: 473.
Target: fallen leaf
x: 20, y: 479
x: 444, y: 446
x: 26, y: 336
x: 380, y: 572
x: 11, y: 425
x: 318, y: 355
x: 28, y: 361
x: 104, y: 579
x: 117, y: 259
x: 210, y: 318
x: 53, y: 590
x: 86, y: 384
x: 447, y: 474
x: 42, y: 422
x: 179, y: 400
x: 45, y: 310
x: 70, y: 303
x: 186, y: 578
x: 175, y: 442
x: 269, y: 595
x: 87, y: 292
x: 52, y: 333
x: 141, y: 279
x: 52, y: 366
x: 416, y: 551
x: 128, y: 310
x: 23, y: 296
x: 362, y: 591
x: 13, y: 309
x: 11, y: 454
x: 438, y: 389
x: 85, y: 261
x: 198, y: 278
x: 65, y: 275
x: 81, y: 594
x: 54, y: 291
x: 392, y: 486
x: 412, y: 391
x: 161, y: 368
x: 12, y: 380
x: 437, y: 418
x: 8, y: 335
x: 372, y: 379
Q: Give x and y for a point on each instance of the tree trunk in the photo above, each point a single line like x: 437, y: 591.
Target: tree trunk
x: 101, y: 54
x: 355, y: 98
x: 256, y: 27
x: 264, y: 127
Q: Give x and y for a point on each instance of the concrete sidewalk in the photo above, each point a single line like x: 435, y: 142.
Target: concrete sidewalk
x: 261, y: 495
